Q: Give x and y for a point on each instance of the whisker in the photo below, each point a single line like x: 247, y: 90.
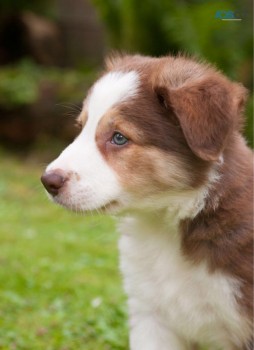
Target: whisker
x: 71, y: 107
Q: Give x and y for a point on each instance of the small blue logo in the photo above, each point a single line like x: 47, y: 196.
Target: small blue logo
x: 228, y: 15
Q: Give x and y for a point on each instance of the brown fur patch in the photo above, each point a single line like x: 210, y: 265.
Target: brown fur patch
x: 224, y: 237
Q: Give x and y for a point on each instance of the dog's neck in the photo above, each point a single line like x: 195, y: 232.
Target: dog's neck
x: 168, y: 214
x: 171, y: 207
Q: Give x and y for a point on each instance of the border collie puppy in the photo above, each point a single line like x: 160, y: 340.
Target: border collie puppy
x: 161, y: 146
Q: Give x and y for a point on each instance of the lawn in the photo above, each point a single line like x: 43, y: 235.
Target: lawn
x: 60, y: 288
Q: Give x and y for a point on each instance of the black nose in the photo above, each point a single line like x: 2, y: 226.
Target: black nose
x: 53, y: 181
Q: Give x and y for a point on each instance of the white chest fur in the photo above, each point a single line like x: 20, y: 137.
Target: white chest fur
x: 184, y: 298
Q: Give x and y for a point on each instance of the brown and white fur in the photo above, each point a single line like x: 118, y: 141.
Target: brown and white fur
x: 181, y: 184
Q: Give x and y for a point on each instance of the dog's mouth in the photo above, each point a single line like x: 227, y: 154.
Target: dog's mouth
x: 111, y: 207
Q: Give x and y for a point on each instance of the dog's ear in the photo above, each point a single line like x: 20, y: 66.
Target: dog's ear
x: 208, y: 110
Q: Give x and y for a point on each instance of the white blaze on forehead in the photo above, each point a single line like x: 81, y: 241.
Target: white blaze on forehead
x: 111, y: 89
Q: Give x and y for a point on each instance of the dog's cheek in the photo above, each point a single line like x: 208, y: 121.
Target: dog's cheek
x: 146, y: 170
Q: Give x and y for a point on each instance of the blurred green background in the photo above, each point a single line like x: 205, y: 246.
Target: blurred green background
x: 60, y: 288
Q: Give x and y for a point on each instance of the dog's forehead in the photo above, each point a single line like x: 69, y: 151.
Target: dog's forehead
x: 111, y: 89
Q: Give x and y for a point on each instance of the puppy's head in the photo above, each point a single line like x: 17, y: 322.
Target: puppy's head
x: 151, y: 128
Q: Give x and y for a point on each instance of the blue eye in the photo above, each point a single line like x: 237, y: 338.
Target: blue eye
x: 119, y: 139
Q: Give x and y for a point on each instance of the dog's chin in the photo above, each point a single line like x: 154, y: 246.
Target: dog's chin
x: 112, y: 207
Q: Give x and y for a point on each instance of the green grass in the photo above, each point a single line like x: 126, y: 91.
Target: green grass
x: 60, y: 288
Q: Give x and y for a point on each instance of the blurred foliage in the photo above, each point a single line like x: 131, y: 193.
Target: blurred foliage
x: 21, y: 84
x: 159, y: 27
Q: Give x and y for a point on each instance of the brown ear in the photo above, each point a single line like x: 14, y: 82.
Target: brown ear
x: 207, y: 111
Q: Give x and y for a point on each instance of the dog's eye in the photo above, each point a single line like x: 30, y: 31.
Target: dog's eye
x: 119, y: 139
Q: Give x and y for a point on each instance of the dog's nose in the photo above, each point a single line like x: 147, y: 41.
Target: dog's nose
x: 53, y: 181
